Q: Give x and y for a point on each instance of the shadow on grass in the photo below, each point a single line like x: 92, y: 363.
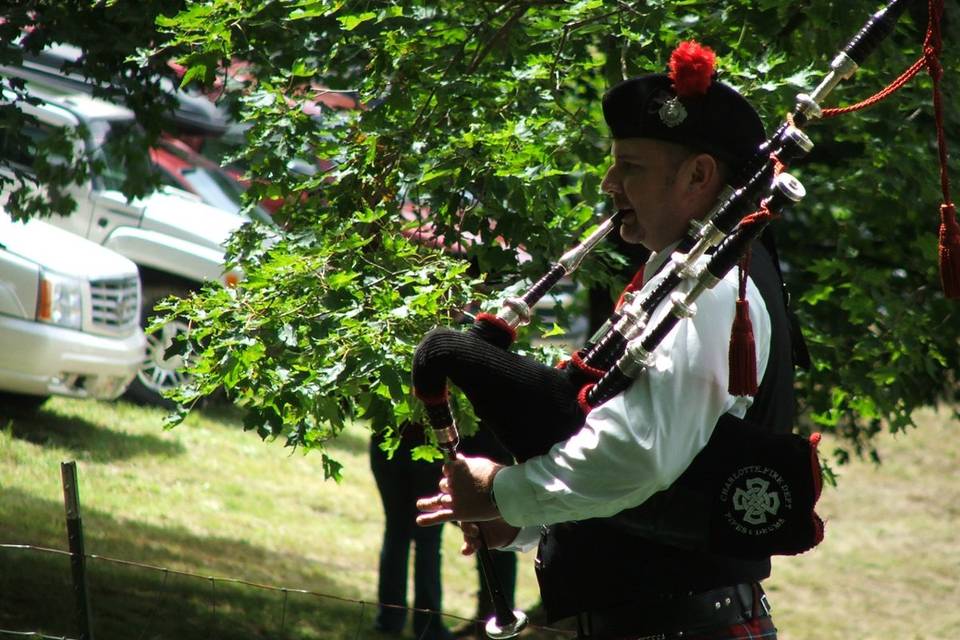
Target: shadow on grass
x: 88, y: 440
x: 134, y: 602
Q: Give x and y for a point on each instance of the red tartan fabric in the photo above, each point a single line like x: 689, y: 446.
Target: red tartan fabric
x: 756, y: 629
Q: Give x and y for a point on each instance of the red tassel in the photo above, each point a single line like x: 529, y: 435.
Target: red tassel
x: 743, y: 354
x: 949, y: 251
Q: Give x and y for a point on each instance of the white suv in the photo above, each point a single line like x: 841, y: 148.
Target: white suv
x: 176, y: 240
x: 69, y: 316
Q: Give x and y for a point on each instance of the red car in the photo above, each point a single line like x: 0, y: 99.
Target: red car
x: 181, y: 167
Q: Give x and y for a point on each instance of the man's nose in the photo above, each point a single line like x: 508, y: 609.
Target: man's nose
x: 610, y: 183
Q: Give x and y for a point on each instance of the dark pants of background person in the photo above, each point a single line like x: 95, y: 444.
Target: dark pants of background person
x: 400, y: 482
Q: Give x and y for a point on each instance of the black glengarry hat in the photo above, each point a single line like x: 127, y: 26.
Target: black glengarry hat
x: 686, y: 106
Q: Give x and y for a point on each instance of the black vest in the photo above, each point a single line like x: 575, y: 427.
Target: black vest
x: 598, y: 563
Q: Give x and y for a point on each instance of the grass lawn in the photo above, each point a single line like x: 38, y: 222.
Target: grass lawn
x: 211, y: 500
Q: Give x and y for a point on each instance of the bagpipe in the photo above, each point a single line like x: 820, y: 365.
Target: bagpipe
x: 746, y: 472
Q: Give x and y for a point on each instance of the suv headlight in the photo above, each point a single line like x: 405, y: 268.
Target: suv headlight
x: 60, y: 300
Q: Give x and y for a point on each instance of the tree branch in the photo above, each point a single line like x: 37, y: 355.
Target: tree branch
x: 567, y: 30
x: 487, y: 48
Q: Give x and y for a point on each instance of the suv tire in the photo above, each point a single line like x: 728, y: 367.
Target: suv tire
x: 158, y: 373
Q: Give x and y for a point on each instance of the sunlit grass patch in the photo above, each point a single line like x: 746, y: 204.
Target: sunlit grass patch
x: 207, y: 498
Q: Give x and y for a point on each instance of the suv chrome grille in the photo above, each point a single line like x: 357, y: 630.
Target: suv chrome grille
x: 116, y: 303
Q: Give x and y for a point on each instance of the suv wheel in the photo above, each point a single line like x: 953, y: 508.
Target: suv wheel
x: 158, y: 373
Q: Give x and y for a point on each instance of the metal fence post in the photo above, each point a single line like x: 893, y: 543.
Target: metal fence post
x: 78, y: 558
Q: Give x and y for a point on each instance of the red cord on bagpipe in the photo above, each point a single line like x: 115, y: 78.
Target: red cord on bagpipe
x: 949, y: 233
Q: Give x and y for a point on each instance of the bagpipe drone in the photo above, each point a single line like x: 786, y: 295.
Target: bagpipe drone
x: 531, y: 406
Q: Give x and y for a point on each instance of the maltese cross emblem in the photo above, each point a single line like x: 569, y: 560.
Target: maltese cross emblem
x: 756, y: 501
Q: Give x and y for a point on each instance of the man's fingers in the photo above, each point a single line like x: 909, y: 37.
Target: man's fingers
x: 435, y: 509
x: 435, y: 503
x: 435, y: 517
x: 429, y: 503
x: 471, y: 538
x: 464, y: 490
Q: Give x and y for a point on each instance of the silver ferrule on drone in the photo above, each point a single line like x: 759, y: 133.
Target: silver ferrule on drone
x: 633, y: 319
x: 515, y: 312
x: 705, y: 229
x: 571, y: 259
x: 707, y: 235
x: 705, y: 280
x: 635, y: 359
x: 842, y: 68
x: 685, y: 264
x: 448, y: 439
x: 808, y: 107
x: 798, y: 138
x: 681, y: 306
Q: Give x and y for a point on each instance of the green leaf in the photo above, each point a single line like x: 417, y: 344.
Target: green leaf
x: 332, y: 470
x: 302, y: 69
x: 555, y: 330
x: 351, y: 22
x: 818, y: 294
x: 426, y: 452
x: 194, y: 72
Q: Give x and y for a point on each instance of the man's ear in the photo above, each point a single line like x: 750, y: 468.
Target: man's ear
x: 703, y: 172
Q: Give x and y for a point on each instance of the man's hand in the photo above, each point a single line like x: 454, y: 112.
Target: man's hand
x: 464, y: 493
x: 496, y: 533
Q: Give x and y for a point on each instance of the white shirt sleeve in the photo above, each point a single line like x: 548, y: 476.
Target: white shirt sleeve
x: 527, y: 538
x: 639, y: 442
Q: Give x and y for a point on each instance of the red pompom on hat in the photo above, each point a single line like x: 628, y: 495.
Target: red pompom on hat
x: 691, y: 68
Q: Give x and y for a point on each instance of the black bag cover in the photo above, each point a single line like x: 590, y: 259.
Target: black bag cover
x: 749, y: 493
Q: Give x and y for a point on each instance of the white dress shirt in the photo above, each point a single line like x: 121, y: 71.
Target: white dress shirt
x: 640, y: 442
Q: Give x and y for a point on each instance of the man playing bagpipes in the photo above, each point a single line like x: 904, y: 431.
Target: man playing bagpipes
x: 658, y: 468
x: 603, y: 502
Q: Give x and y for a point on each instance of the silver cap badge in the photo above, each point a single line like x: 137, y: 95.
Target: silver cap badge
x: 672, y: 112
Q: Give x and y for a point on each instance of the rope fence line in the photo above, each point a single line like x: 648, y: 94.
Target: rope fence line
x: 361, y: 604
x: 32, y: 634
